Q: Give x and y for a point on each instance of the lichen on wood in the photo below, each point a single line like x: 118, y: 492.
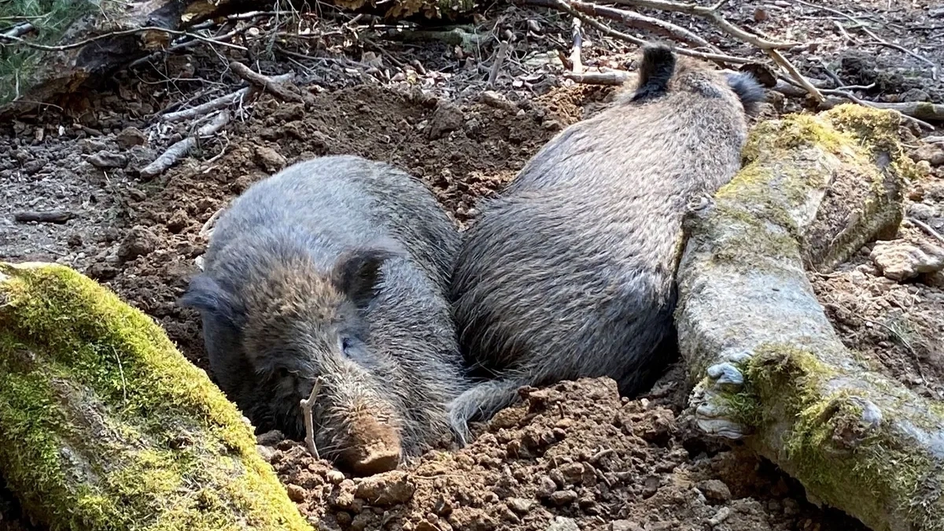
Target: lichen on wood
x: 765, y: 363
x: 106, y: 426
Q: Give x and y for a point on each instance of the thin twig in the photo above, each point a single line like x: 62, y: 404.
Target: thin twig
x: 180, y: 149
x: 496, y: 66
x: 56, y: 216
x: 121, y: 33
x: 307, y: 405
x: 634, y: 20
x: 878, y: 40
x: 565, y: 6
x: 218, y: 103
x: 613, y: 78
x: 927, y: 228
x: 712, y: 14
x: 575, y: 61
x: 266, y: 83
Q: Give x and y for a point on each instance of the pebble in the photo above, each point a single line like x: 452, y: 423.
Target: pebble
x: 561, y: 523
x: 563, y: 497
x: 519, y: 505
x: 131, y: 136
x: 720, y: 516
x: 295, y: 493
x: 715, y: 491
x: 106, y: 159
x: 139, y: 241
x: 265, y: 452
x: 386, y: 489
x: 624, y: 525
x: 269, y: 159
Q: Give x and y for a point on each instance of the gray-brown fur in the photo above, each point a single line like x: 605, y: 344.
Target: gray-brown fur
x: 569, y: 273
x: 336, y: 267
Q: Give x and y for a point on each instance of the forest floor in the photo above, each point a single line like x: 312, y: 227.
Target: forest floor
x: 573, y: 456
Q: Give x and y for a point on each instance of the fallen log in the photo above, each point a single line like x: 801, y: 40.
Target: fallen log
x: 88, y: 42
x: 106, y: 426
x: 765, y: 363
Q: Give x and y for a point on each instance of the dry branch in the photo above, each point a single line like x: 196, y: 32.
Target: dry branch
x: 219, y: 103
x: 181, y: 148
x: 713, y: 15
x: 613, y: 78
x: 56, y: 216
x: 576, y: 63
x: 564, y: 5
x: 768, y: 365
x: 633, y: 20
x: 266, y: 83
x: 107, y: 426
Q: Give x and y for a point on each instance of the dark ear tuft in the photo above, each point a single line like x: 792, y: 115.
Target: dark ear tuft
x: 655, y: 70
x: 206, y: 295
x: 750, y: 92
x: 357, y: 272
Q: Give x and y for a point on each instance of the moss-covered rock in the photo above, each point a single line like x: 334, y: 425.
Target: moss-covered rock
x: 104, y: 425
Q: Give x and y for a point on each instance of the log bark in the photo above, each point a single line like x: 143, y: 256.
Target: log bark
x: 115, y: 35
x: 106, y: 426
x: 766, y: 364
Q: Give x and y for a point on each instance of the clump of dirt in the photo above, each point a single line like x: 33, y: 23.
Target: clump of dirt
x: 571, y: 456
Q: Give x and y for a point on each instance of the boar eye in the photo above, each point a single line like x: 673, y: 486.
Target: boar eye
x: 345, y: 345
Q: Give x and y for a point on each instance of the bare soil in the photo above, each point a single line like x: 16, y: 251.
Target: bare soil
x: 571, y: 456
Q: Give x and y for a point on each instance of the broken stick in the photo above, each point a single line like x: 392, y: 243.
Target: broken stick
x: 266, y: 83
x: 307, y: 404
x: 182, y: 148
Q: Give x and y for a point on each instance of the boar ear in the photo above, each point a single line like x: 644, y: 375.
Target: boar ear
x: 206, y: 295
x: 357, y: 272
x: 655, y: 70
x: 748, y: 90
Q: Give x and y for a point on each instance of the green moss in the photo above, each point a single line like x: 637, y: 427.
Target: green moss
x: 830, y: 447
x: 75, y: 361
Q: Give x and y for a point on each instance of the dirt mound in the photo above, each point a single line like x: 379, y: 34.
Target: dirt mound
x: 572, y: 456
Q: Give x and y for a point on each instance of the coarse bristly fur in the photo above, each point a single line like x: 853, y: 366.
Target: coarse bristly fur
x: 569, y: 273
x: 337, y: 268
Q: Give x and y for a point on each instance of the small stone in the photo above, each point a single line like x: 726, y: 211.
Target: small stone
x: 131, y: 136
x: 75, y: 240
x: 269, y: 159
x: 295, y: 493
x: 720, y: 516
x: 386, y: 489
x: 445, y: 119
x: 271, y: 438
x: 106, y: 160
x: 563, y: 497
x: 178, y: 221
x: 790, y: 507
x: 930, y: 153
x: 921, y: 211
x: 572, y: 473
x: 561, y: 523
x: 139, y: 241
x: 650, y: 486
x: 760, y: 14
x: 546, y: 487
x: 715, y: 490
x: 519, y: 505
x: 915, y: 95
x: 265, y: 452
x: 900, y: 260
x: 101, y: 271
x: 624, y: 525
x: 335, y: 477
